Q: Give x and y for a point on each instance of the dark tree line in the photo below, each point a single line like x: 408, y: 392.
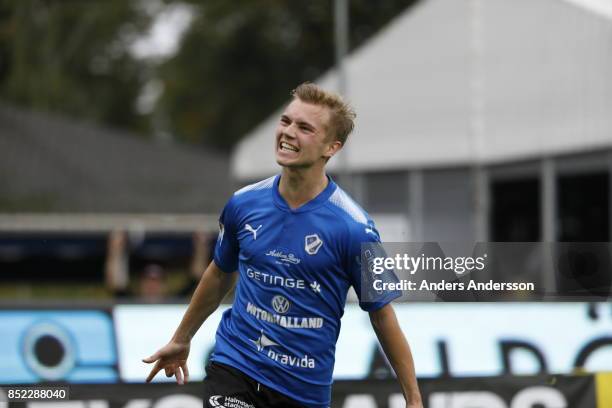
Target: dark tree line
x: 236, y: 63
x: 68, y: 56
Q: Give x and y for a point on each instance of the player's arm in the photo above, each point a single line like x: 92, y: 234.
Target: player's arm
x: 211, y: 290
x: 213, y: 287
x: 398, y: 352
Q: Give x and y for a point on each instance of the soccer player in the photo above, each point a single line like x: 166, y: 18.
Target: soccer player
x: 295, y: 241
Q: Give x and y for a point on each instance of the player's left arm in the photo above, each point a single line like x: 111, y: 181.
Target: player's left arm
x: 397, y: 350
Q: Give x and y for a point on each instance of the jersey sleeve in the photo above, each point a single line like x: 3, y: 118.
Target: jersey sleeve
x: 365, y: 245
x: 226, y: 248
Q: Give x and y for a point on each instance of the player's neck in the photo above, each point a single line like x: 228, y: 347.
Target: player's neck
x: 298, y: 186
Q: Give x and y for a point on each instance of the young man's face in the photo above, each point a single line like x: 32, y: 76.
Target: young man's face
x: 301, y: 136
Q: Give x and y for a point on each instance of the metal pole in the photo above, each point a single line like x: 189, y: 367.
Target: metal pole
x: 415, y: 205
x: 548, y: 213
x: 548, y: 206
x: 341, y: 24
x: 477, y: 121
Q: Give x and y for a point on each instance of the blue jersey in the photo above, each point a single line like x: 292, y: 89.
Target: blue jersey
x: 296, y: 267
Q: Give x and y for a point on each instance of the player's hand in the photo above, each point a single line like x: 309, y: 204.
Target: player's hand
x: 172, y: 358
x: 414, y: 405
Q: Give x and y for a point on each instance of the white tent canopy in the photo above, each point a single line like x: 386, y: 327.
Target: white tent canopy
x: 457, y: 82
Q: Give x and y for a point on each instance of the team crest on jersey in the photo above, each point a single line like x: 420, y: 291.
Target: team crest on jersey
x: 312, y: 244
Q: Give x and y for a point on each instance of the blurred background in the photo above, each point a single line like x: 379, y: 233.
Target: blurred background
x: 126, y: 125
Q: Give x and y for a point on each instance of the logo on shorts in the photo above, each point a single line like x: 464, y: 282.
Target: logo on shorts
x: 214, y: 401
x: 280, y: 304
x: 228, y: 402
x: 312, y: 244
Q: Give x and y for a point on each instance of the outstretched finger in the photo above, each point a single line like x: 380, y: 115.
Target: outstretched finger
x: 179, y: 375
x: 185, y: 371
x: 151, y: 359
x: 153, y: 372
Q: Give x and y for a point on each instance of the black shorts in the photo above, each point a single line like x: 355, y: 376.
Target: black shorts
x: 227, y: 387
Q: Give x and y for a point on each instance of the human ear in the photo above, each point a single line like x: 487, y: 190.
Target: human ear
x: 333, y: 148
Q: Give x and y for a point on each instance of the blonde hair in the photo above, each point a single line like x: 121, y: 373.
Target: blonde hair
x: 342, y: 115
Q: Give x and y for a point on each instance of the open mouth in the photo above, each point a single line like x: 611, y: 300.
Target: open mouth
x: 288, y: 147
